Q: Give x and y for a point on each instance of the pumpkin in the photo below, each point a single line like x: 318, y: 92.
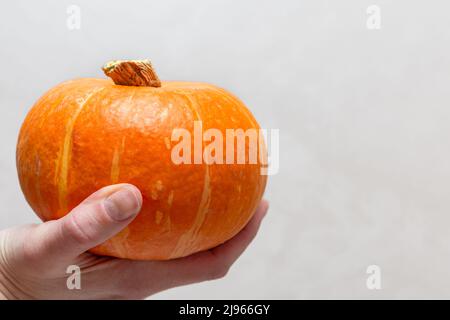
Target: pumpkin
x: 88, y: 133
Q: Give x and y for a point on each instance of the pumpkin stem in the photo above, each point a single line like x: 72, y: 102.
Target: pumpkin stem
x: 138, y: 73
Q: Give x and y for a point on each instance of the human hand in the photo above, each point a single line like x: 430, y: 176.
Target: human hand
x: 34, y: 258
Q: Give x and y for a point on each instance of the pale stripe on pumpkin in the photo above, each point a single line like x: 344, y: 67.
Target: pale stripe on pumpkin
x: 231, y: 98
x: 118, y: 151
x: 188, y: 239
x: 66, y: 152
x: 115, y: 163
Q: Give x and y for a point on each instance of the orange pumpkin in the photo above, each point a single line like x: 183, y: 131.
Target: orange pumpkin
x: 88, y: 133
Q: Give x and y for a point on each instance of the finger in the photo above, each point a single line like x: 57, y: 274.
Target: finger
x: 207, y: 265
x: 98, y: 218
x: 231, y: 250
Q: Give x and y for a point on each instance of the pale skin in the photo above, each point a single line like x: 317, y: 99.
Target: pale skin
x: 34, y: 258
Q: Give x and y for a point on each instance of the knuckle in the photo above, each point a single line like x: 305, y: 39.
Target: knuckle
x: 218, y: 272
x: 73, y: 229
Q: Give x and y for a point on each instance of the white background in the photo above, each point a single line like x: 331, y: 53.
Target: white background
x: 363, y: 116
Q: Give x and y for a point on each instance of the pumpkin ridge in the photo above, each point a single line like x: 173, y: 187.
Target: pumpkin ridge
x: 66, y: 151
x: 188, y: 239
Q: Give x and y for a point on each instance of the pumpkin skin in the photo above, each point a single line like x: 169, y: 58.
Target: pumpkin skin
x: 88, y: 133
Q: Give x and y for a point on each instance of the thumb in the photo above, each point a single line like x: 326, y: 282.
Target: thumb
x: 98, y: 218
